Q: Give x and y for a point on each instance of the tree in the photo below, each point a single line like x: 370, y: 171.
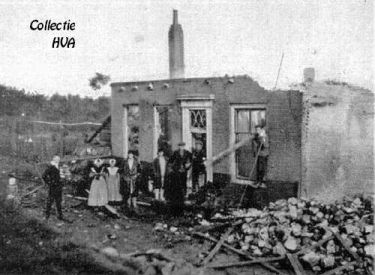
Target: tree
x: 98, y: 81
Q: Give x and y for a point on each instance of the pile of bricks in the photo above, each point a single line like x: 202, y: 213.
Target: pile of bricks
x: 310, y: 236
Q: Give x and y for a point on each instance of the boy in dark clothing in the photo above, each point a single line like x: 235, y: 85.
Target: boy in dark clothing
x: 199, y: 169
x: 51, y: 176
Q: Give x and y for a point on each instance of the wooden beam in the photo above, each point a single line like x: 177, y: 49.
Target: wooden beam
x: 245, y: 263
x: 217, y: 246
x: 228, y: 151
x: 32, y: 191
x: 237, y: 251
x: 354, y: 255
x: 103, y: 125
x: 337, y: 269
x: 293, y: 259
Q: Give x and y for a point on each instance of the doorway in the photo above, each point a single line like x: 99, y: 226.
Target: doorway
x: 197, y: 127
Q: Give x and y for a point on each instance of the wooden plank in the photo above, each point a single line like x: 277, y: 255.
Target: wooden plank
x: 32, y: 191
x: 238, y: 252
x: 337, y: 269
x: 245, y: 263
x: 354, y: 254
x: 76, y: 197
x: 228, y: 151
x: 293, y: 259
x: 217, y: 246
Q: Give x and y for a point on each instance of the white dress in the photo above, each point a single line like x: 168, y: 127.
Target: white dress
x: 113, y: 183
x: 98, y: 192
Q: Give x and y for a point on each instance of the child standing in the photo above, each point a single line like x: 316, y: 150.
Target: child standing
x: 113, y: 182
x: 131, y: 171
x: 160, y: 174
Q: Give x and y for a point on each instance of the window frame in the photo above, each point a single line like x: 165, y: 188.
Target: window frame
x: 156, y: 121
x: 125, y: 127
x: 234, y: 108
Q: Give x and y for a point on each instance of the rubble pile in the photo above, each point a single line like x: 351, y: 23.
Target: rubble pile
x: 323, y: 237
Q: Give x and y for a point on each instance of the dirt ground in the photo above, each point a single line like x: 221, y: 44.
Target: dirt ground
x: 31, y: 245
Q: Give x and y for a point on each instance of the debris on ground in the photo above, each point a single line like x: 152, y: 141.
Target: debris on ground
x: 323, y: 238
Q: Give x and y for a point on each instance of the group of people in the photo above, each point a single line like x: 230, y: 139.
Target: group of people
x: 118, y: 183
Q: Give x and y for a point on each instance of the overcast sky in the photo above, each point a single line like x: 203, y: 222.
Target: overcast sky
x: 129, y: 41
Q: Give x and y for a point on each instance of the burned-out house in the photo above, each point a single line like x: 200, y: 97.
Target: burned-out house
x: 220, y: 111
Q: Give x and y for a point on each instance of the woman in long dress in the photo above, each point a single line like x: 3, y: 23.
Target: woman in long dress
x: 113, y: 182
x: 98, y: 191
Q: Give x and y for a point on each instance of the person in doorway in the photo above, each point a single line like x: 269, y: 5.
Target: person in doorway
x: 113, y: 182
x: 261, y: 151
x: 98, y: 196
x: 131, y: 171
x: 181, y: 163
x: 160, y: 174
x: 51, y: 177
x: 198, y: 167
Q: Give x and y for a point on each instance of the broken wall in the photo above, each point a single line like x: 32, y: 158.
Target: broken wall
x: 338, y: 141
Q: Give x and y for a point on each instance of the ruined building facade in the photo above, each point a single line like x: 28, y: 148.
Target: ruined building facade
x: 320, y: 133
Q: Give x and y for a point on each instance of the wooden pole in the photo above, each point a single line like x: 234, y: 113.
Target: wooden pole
x: 228, y: 151
x: 217, y: 246
x: 278, y: 72
x: 237, y: 251
x: 61, y: 139
x: 245, y: 263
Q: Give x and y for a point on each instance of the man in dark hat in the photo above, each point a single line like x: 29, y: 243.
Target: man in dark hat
x: 180, y: 163
x: 198, y: 167
x: 130, y: 173
x: 51, y: 176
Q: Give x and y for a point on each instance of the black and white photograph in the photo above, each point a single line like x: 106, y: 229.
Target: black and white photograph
x: 187, y: 137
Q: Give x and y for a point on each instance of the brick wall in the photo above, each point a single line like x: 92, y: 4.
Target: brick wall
x: 284, y: 130
x: 283, y: 118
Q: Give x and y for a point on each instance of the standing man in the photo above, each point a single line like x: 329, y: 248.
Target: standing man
x: 160, y: 174
x: 180, y: 163
x: 199, y: 169
x: 261, y: 148
x: 131, y: 171
x: 51, y: 176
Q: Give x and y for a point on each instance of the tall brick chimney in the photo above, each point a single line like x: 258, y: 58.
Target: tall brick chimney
x: 176, y: 49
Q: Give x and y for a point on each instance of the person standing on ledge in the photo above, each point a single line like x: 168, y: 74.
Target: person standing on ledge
x: 51, y: 176
x: 261, y: 147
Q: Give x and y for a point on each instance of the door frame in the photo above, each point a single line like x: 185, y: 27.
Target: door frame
x: 194, y: 103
